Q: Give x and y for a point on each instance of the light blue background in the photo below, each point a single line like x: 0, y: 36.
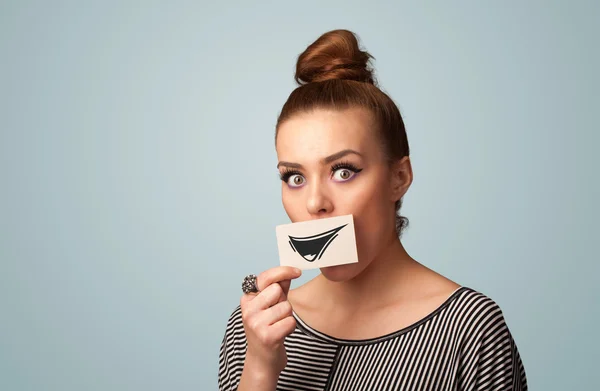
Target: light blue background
x: 138, y: 180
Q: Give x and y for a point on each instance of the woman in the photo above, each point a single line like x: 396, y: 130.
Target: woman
x: 386, y: 322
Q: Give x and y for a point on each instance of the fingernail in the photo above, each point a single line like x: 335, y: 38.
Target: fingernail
x: 298, y: 271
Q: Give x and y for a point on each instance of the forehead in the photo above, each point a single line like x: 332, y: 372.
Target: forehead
x: 308, y: 137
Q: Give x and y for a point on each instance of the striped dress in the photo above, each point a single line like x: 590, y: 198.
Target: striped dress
x: 465, y: 344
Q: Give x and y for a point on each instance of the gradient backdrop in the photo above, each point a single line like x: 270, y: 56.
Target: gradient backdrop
x: 138, y: 180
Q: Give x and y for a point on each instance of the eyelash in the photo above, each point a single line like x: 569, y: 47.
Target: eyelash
x: 287, y: 173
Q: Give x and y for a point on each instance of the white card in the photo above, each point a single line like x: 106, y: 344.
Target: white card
x: 317, y: 243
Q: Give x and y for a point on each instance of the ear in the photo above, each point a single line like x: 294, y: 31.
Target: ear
x: 401, y: 177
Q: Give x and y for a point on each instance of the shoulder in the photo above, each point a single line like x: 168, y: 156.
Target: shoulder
x: 487, y: 351
x: 234, y: 320
x: 235, y: 316
x: 475, y: 305
x: 235, y: 337
x: 478, y: 316
x: 232, y: 352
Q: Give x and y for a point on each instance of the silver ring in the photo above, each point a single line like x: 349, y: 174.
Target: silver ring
x: 249, y: 284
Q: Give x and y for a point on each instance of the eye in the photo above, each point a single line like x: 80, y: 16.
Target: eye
x: 343, y: 174
x: 344, y: 171
x: 295, y: 180
x: 292, y: 178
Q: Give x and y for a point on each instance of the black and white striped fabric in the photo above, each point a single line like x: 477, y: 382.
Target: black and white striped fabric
x: 465, y: 344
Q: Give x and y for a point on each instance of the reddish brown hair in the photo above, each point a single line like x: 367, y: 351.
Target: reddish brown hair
x: 334, y: 73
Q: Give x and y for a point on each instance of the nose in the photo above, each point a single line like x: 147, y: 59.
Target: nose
x: 318, y: 202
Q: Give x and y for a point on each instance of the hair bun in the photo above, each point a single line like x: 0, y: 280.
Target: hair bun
x: 334, y: 55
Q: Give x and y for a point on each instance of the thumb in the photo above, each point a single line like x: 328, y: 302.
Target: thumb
x: 285, y: 286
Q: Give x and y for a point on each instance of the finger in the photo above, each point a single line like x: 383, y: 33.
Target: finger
x: 265, y: 299
x: 285, y: 285
x: 276, y: 313
x: 285, y: 288
x: 247, y: 297
x: 276, y: 274
x: 283, y: 328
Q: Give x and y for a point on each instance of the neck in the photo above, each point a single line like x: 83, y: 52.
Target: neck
x: 383, y: 280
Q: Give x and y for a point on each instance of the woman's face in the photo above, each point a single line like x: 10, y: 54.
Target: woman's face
x: 332, y: 164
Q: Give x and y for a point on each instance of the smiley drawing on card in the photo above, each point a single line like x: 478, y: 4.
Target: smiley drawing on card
x: 317, y: 243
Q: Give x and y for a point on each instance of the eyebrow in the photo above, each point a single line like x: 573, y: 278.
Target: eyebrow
x: 325, y: 160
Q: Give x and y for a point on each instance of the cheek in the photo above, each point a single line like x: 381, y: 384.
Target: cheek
x: 368, y: 229
x: 291, y: 203
x: 367, y: 202
x: 371, y: 214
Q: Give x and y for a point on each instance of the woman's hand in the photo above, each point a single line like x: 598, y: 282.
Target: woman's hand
x: 267, y: 318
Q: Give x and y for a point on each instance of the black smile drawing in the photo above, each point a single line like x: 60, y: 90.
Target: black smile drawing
x: 313, y: 247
